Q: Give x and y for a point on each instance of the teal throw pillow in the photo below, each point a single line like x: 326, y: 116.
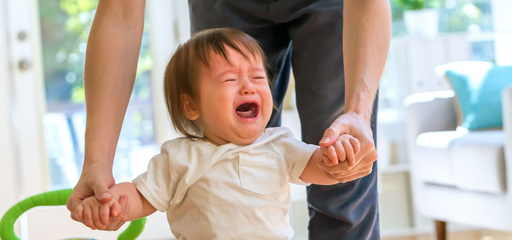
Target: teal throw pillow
x: 478, y: 88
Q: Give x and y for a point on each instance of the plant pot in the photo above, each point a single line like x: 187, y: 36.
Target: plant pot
x: 423, y: 23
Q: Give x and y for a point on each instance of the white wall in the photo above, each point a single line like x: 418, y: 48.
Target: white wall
x: 502, y: 20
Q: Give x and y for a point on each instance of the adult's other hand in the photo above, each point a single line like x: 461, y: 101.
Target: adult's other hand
x: 359, y: 128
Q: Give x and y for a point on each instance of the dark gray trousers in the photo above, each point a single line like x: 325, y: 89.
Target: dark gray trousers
x: 305, y: 35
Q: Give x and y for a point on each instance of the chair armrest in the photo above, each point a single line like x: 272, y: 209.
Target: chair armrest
x: 507, y: 120
x: 506, y: 99
x: 428, y: 112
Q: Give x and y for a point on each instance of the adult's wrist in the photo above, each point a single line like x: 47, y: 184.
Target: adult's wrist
x: 98, y: 152
x: 360, y: 102
x: 361, y: 113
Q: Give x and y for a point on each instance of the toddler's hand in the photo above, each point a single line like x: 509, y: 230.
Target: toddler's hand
x: 97, y: 215
x: 345, y: 148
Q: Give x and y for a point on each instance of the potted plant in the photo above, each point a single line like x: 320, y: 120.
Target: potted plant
x: 421, y: 17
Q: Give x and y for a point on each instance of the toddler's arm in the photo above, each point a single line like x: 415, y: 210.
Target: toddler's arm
x: 138, y: 205
x: 96, y: 215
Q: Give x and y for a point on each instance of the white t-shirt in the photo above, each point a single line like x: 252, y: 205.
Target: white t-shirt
x: 228, y: 191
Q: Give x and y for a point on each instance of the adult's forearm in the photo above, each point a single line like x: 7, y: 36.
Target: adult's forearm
x: 110, y: 68
x: 366, y: 37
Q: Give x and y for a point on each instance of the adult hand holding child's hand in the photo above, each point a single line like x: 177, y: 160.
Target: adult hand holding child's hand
x: 95, y: 181
x: 353, y: 168
x: 345, y: 148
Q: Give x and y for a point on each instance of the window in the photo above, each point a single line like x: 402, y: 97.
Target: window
x: 454, y: 16
x: 65, y: 27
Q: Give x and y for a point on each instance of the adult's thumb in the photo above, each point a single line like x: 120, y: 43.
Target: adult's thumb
x: 102, y: 194
x: 331, y: 134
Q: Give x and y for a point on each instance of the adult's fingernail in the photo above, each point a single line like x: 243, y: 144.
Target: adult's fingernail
x: 325, y: 140
x: 105, y: 195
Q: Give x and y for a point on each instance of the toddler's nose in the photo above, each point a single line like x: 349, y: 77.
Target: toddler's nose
x: 247, y: 88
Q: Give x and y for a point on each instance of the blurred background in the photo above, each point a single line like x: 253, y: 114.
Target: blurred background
x: 42, y: 103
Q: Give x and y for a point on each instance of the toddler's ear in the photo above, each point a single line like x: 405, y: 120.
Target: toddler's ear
x: 189, y: 107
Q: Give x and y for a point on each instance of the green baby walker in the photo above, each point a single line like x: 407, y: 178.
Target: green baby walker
x: 53, y: 198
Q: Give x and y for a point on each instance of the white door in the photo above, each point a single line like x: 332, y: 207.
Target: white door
x: 8, y: 173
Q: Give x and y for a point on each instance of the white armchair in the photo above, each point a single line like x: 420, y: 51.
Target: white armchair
x: 458, y: 176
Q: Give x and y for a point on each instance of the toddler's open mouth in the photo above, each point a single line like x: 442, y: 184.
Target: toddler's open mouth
x: 247, y: 110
